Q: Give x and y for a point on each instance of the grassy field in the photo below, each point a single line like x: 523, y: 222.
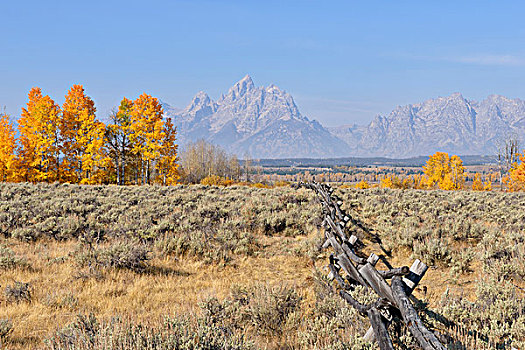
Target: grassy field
x: 195, y: 267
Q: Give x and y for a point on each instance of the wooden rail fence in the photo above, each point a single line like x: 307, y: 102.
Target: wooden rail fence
x: 349, y: 269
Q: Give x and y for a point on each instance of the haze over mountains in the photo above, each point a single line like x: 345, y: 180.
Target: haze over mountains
x: 261, y: 121
x: 265, y: 122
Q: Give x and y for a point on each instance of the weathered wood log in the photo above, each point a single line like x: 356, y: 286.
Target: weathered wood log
x: 357, y: 305
x: 376, y: 282
x: 334, y: 272
x: 398, y: 271
x: 358, y: 260
x: 325, y: 194
x: 366, y: 275
x: 417, y: 271
x: 343, y: 248
x: 333, y: 242
x: 338, y: 278
x: 326, y: 244
x: 350, y: 269
x: 337, y: 229
x: 380, y: 329
x: 328, y: 210
x: 370, y: 335
x: 372, y: 259
x: 338, y: 210
x: 346, y: 247
x: 426, y: 339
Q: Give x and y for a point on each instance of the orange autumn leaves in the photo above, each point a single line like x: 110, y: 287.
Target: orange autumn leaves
x: 82, y: 137
x: 447, y: 173
x: 516, y: 179
x: 70, y: 144
x: 7, y: 150
x: 38, y: 143
x: 441, y: 171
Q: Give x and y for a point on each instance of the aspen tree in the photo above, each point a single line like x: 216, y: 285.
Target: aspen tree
x: 517, y: 173
x: 167, y: 166
x: 448, y: 173
x: 147, y: 133
x: 118, y: 135
x: 8, y: 168
x: 38, y: 152
x: 82, y: 139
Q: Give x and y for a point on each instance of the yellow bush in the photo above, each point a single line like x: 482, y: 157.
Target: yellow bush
x: 215, y: 180
x: 260, y: 185
x: 362, y: 185
x: 393, y: 181
x: 387, y: 182
x: 477, y: 185
x: 517, y: 174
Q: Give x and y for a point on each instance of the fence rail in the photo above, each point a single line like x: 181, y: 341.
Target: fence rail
x: 349, y: 269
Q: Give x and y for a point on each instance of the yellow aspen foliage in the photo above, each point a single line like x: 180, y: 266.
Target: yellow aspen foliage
x: 447, y: 183
x: 147, y: 133
x: 457, y: 172
x: 387, y: 182
x: 517, y: 174
x: 38, y: 153
x: 393, y: 181
x: 477, y: 184
x: 437, y: 167
x: 216, y: 180
x: 167, y: 167
x: 487, y: 186
x: 448, y: 173
x: 83, y: 139
x: 419, y: 181
x: 362, y: 185
x: 95, y: 162
x: 407, y: 182
x: 118, y: 134
x: 8, y: 164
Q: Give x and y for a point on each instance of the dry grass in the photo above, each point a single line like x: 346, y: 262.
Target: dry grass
x: 205, y: 243
x: 171, y: 287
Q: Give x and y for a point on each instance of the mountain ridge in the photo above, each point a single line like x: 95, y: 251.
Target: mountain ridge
x: 261, y: 121
x: 452, y: 124
x: 265, y: 122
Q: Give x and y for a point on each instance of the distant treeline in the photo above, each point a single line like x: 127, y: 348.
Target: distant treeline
x: 366, y: 161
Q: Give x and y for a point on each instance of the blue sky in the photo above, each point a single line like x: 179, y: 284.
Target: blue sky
x: 343, y: 61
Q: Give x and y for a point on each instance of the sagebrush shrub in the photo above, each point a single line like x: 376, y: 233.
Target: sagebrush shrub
x: 18, y: 292
x: 9, y: 260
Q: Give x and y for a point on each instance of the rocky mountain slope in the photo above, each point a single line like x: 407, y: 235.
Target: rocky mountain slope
x: 451, y: 124
x: 261, y: 121
x: 265, y: 122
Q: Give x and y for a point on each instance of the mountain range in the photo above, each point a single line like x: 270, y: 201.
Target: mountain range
x: 265, y: 122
